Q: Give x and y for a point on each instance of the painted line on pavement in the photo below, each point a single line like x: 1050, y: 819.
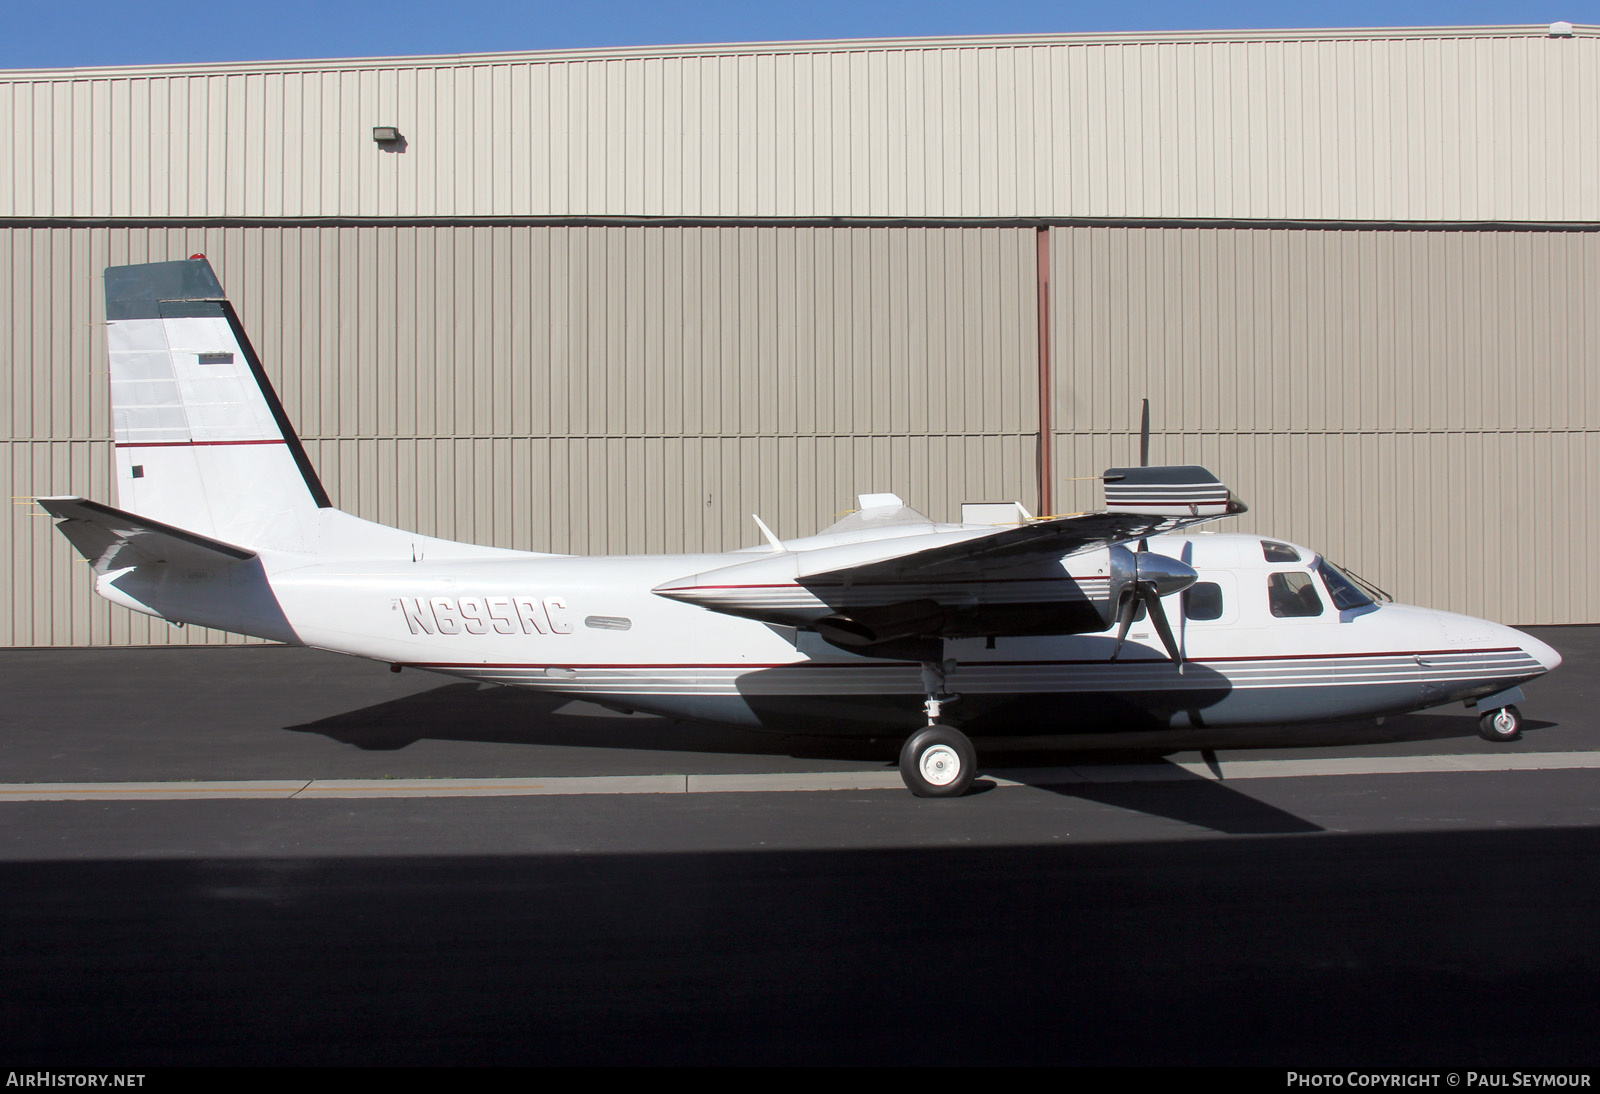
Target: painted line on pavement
x: 1182, y: 771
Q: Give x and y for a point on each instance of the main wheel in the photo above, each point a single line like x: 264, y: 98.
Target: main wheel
x: 938, y: 762
x: 1500, y: 725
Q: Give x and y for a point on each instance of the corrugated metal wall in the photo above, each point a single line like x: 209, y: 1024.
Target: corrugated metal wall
x: 566, y: 389
x: 1450, y: 124
x: 1411, y: 398
x: 1421, y: 405
x: 1418, y: 404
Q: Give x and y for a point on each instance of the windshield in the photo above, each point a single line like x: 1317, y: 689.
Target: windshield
x: 1346, y: 594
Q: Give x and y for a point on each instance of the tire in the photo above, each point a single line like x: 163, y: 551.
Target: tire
x: 938, y: 762
x: 1500, y: 726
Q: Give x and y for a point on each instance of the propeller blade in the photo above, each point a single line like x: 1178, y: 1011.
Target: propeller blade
x: 1125, y: 612
x: 1144, y: 436
x: 1144, y: 452
x: 1158, y: 616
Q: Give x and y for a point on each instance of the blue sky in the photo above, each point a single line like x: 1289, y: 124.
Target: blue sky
x: 37, y: 35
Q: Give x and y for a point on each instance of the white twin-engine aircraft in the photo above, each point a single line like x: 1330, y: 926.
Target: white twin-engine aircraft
x: 1002, y: 623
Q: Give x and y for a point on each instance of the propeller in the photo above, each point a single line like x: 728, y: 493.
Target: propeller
x: 1144, y: 461
x: 1144, y: 435
x: 1147, y: 577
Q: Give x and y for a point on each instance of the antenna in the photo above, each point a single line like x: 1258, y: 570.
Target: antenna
x: 777, y: 544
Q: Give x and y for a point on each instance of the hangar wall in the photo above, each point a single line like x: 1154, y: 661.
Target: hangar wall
x: 1422, y: 405
x: 633, y: 389
x: 560, y: 389
x: 620, y: 300
x: 1450, y: 123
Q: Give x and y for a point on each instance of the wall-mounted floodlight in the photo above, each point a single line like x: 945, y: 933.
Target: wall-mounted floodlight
x: 386, y: 134
x: 1561, y: 29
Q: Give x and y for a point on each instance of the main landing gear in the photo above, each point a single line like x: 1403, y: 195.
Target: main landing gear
x: 937, y: 761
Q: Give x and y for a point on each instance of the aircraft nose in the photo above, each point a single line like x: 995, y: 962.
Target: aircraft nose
x: 1468, y: 632
x: 1543, y: 652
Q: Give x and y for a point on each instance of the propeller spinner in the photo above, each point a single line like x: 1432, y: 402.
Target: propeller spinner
x: 1147, y: 577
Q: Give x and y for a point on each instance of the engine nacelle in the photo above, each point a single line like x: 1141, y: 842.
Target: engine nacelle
x: 873, y: 627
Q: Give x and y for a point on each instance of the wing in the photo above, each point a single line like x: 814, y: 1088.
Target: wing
x: 112, y: 539
x: 1045, y: 541
x: 1140, y: 502
x: 1050, y: 576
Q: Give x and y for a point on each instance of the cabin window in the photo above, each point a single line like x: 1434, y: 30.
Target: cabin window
x: 1279, y: 552
x: 1203, y: 600
x: 1293, y: 595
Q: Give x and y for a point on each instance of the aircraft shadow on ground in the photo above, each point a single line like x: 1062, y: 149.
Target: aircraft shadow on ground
x: 487, y: 714
x: 499, y: 715
x: 1191, y: 799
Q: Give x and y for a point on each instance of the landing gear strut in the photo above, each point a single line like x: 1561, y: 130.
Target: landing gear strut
x: 933, y: 677
x: 937, y: 761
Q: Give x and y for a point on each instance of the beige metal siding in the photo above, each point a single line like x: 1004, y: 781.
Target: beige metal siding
x: 568, y: 389
x: 1476, y: 124
x: 1421, y: 405
x: 1418, y: 404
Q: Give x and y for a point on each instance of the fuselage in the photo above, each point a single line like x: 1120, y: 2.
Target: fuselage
x: 1266, y: 641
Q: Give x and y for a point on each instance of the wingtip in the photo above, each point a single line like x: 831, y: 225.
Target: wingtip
x: 57, y: 504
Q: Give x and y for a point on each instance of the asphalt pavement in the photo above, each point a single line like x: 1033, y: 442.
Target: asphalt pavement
x: 1435, y: 917
x: 274, y: 712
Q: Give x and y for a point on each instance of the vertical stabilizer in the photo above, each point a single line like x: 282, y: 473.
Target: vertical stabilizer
x: 202, y: 441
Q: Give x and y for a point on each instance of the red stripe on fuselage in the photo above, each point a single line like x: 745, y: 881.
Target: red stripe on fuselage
x: 901, y: 664
x: 801, y: 582
x: 190, y: 444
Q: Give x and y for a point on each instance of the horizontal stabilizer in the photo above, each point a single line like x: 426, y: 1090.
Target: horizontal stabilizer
x: 112, y: 539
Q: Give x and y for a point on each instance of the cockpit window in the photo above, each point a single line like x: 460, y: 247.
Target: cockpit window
x: 1344, y: 593
x: 1292, y: 595
x: 1279, y: 552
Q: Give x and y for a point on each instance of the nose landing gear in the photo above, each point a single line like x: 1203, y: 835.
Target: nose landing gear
x: 1500, y: 726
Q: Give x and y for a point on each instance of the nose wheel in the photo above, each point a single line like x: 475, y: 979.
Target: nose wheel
x: 1500, y: 726
x: 938, y: 762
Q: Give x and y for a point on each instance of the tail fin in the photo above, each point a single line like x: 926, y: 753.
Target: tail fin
x: 202, y: 442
